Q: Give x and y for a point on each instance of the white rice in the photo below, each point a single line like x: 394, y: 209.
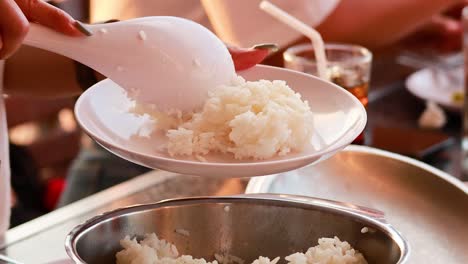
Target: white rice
x: 149, y: 250
x: 142, y: 35
x: 265, y: 260
x: 183, y: 232
x: 152, y: 250
x: 196, y: 63
x: 328, y: 251
x: 257, y: 120
x: 228, y: 259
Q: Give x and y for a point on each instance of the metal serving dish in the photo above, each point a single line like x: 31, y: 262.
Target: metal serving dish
x: 254, y: 225
x: 429, y: 207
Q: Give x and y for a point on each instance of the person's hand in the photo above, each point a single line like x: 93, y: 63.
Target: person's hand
x: 14, y: 22
x: 443, y: 33
x: 246, y: 58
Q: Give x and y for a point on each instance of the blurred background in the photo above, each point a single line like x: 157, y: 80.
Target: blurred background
x: 45, y: 139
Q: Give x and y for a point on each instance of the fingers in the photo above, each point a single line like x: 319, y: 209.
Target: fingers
x: 443, y: 33
x: 446, y: 26
x: 450, y: 31
x: 47, y: 15
x: 13, y: 27
x: 247, y: 58
x: 456, y: 11
x: 14, y: 23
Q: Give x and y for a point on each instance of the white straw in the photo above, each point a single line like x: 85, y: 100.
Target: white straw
x: 312, y: 34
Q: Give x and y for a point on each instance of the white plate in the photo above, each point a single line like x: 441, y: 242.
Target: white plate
x: 338, y: 117
x: 430, y: 86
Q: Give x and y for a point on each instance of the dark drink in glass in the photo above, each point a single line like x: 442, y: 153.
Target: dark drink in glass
x: 349, y: 66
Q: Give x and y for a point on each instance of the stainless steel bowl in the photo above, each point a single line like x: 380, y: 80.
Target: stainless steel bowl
x: 254, y: 225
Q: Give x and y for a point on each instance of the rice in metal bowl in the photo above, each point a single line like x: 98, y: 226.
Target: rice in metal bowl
x: 152, y: 250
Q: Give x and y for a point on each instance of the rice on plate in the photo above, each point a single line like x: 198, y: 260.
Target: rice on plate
x: 258, y: 120
x: 152, y: 250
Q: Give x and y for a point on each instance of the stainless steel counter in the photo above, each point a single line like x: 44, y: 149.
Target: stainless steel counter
x: 41, y: 240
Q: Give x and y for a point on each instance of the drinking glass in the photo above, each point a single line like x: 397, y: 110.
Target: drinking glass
x: 349, y: 66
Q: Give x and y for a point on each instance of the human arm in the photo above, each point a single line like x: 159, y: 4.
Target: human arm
x: 373, y: 23
x: 443, y: 33
x: 14, y: 22
x: 378, y: 23
x: 29, y: 71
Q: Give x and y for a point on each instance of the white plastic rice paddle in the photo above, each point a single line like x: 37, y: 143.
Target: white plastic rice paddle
x: 168, y: 62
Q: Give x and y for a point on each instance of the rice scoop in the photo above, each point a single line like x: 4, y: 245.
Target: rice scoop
x: 168, y: 62
x: 185, y: 61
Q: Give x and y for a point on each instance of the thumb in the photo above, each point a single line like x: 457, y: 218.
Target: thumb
x: 445, y: 25
x: 247, y: 58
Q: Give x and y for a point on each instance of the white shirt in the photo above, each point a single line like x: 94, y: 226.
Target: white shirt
x: 238, y: 22
x: 243, y: 23
x: 4, y: 164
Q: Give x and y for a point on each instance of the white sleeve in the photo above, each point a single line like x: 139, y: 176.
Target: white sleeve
x: 243, y: 23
